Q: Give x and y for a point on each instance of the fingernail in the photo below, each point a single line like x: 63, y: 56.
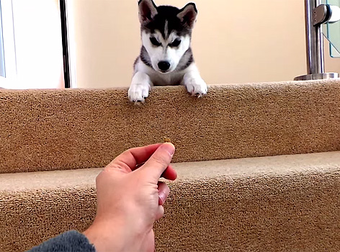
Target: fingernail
x: 161, y: 199
x: 169, y: 147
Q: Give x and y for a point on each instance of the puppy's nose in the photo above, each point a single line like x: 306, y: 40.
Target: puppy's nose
x: 163, y: 65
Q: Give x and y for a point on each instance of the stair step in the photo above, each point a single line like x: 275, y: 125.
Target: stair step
x: 276, y: 203
x: 85, y: 128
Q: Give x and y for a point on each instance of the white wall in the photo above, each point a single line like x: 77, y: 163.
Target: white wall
x: 233, y: 41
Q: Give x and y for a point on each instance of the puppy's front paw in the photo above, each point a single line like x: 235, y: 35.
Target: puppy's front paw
x: 138, y: 92
x: 196, y: 86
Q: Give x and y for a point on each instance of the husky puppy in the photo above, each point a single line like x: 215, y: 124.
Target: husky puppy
x: 165, y: 57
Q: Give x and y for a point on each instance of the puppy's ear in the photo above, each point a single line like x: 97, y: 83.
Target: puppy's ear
x: 188, y: 14
x: 147, y: 11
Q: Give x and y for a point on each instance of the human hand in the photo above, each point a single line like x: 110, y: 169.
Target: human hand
x: 130, y: 199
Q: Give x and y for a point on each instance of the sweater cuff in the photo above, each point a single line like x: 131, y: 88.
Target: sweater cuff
x: 71, y: 241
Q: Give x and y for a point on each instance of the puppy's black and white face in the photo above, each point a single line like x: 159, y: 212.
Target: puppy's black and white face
x: 166, y: 33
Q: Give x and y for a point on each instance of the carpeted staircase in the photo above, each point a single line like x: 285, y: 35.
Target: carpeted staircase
x: 258, y: 164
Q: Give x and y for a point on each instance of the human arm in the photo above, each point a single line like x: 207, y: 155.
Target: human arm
x: 130, y: 199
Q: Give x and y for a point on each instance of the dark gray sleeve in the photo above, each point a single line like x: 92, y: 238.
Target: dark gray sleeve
x: 71, y: 241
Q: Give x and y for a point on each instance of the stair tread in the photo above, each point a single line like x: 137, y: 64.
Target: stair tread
x: 272, y: 203
x: 202, y: 170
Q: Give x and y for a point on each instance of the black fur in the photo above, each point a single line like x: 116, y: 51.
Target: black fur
x: 174, y: 23
x: 144, y: 57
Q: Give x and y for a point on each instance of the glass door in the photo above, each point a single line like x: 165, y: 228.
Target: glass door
x: 332, y: 31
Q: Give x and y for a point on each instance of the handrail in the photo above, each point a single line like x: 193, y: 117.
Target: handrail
x: 314, y: 43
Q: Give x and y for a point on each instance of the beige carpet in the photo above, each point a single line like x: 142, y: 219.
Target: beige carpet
x: 264, y: 203
x: 71, y: 129
x: 280, y: 203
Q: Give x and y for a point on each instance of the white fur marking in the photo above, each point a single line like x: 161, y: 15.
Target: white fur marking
x: 166, y: 29
x: 165, y: 52
x: 193, y: 81
x: 140, y: 86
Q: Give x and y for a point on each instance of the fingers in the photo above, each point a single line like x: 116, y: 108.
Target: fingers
x: 159, y: 213
x: 169, y: 173
x: 163, y: 193
x: 158, y: 163
x: 129, y: 159
x: 161, y: 155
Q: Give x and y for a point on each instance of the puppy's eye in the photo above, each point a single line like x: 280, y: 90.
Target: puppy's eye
x: 154, y: 41
x: 175, y: 43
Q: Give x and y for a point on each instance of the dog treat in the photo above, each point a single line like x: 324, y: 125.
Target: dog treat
x: 167, y: 140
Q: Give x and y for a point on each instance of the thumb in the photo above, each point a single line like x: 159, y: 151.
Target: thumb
x: 159, y: 161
